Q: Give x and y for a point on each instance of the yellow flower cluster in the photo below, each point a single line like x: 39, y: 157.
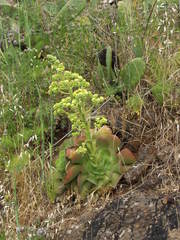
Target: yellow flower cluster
x: 76, y: 101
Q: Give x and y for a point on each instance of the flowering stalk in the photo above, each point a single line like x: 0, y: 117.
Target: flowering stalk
x: 76, y: 103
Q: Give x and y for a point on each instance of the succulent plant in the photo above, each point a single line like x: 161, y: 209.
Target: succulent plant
x: 91, y: 162
x: 104, y: 169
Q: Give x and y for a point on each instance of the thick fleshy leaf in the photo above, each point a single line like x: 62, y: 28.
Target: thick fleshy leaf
x: 126, y: 157
x: 111, y: 141
x: 104, y: 130
x: 73, y: 155
x: 71, y: 173
x: 104, y: 137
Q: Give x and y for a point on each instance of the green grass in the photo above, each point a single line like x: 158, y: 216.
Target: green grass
x: 2, y: 236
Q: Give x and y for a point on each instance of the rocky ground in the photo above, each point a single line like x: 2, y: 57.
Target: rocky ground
x: 138, y: 216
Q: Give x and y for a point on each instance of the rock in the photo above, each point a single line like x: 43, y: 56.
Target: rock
x: 137, y: 216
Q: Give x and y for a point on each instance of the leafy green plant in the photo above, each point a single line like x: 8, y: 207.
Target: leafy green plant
x: 92, y: 173
x: 78, y: 102
x: 76, y: 169
x: 91, y: 163
x: 130, y: 74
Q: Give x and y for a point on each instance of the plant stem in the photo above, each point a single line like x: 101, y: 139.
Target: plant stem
x: 91, y: 144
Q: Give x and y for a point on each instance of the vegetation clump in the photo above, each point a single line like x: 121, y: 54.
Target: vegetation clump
x: 91, y: 162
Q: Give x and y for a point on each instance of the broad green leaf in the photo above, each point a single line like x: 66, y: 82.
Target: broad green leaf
x: 132, y: 73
